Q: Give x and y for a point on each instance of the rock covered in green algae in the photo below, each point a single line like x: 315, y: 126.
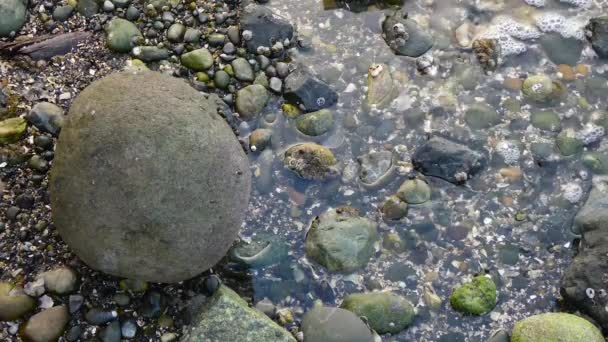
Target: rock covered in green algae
x: 541, y: 88
x: 11, y: 130
x: 12, y: 16
x: 476, y: 297
x: 327, y: 324
x: 379, y: 85
x: 481, y: 115
x: 341, y: 240
x: 385, y: 312
x: 14, y: 303
x: 315, y: 123
x: 414, y: 191
x: 555, y: 327
x: 547, y: 120
x: 227, y: 317
x: 567, y: 143
x: 121, y: 35
x: 394, y: 208
x: 311, y: 161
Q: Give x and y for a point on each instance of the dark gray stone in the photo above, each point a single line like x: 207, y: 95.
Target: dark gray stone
x: 133, y: 192
x: 47, y: 117
x: 561, y: 50
x: 449, y: 160
x: 265, y: 26
x: 306, y: 91
x: 598, y: 35
x: 404, y: 36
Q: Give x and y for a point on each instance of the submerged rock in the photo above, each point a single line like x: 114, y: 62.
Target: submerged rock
x: 449, y: 160
x: 227, y: 317
x: 379, y: 85
x: 414, y: 191
x: 584, y: 284
x: 315, y: 123
x: 376, y: 168
x: 561, y: 50
x: 555, y: 327
x: 265, y: 28
x: 14, y: 303
x: 385, y: 312
x: 132, y: 203
x: 327, y: 324
x: 476, y: 298
x: 547, y: 120
x: 310, y: 94
x: 404, y: 36
x: 12, y: 16
x: 487, y: 52
x: 341, y: 240
x: 541, y: 88
x: 481, y: 116
x: 598, y: 35
x: 394, y: 208
x: 311, y: 161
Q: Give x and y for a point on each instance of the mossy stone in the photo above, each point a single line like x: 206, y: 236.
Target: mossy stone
x: 315, y: 123
x: 547, y: 120
x: 414, y: 191
x: 197, y: 60
x: 538, y: 88
x: 597, y: 162
x: 555, y: 327
x: 394, y: 208
x: 476, y: 297
x: 310, y: 161
x: 386, y: 312
x: 11, y: 130
x: 481, y: 115
x: 121, y: 35
x: 567, y: 143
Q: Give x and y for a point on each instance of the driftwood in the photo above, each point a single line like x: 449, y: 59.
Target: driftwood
x: 45, y: 47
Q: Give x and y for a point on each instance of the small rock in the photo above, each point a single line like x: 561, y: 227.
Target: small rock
x: 326, y: 324
x: 150, y: 53
x: 260, y: 139
x: 176, y: 33
x: 476, y: 298
x: 111, y: 333
x: 264, y: 26
x: 197, y: 60
x: 555, y: 327
x: 47, y: 117
x: 250, y: 100
x: 414, y: 191
x: 121, y: 35
x: 316, y: 123
x: 61, y: 280
x: 598, y: 35
x: 128, y: 328
x: 341, y: 240
x: 62, y: 13
x: 75, y: 303
x: 242, y: 70
x: 386, y: 312
x: 404, y: 36
x: 100, y: 317
x: 541, y: 88
x: 12, y: 130
x: 311, y: 161
x: 394, y: 208
x: 46, y: 325
x: 14, y: 303
x: 87, y: 8
x: 481, y: 116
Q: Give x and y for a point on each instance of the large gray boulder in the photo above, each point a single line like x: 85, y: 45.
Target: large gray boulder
x: 12, y: 16
x: 149, y: 181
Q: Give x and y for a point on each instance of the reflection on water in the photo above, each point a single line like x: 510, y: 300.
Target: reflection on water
x: 512, y: 220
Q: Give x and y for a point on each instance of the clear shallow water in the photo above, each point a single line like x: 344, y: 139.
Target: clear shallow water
x: 516, y: 229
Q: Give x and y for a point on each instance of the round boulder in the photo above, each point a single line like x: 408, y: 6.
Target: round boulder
x: 149, y: 181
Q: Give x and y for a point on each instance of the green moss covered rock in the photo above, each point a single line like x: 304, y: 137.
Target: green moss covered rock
x: 227, y: 317
x: 315, y: 123
x: 555, y: 327
x: 547, y: 120
x: 311, y: 161
x: 476, y: 298
x: 11, y: 130
x: 386, y: 312
x: 121, y: 35
x: 197, y: 60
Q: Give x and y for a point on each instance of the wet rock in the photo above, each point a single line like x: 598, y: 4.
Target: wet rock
x: 87, y: 8
x: 376, y: 168
x: 561, y: 50
x: 547, y: 120
x: 449, y: 160
x: 251, y: 100
x: 192, y: 36
x: 598, y: 35
x: 555, y: 327
x: 385, y: 312
x: 227, y: 317
x: 327, y: 324
x: 111, y: 333
x: 597, y: 162
x: 341, y: 240
x: 583, y: 285
x: 481, y: 116
x: 541, y: 88
x: 310, y: 94
x: 404, y: 36
x: 124, y: 226
x: 221, y: 79
x: 62, y: 13
x: 128, y: 328
x: 122, y: 35
x: 499, y: 336
x: 152, y: 304
x: 14, y: 303
x: 394, y: 208
x: 476, y: 298
x: 150, y: 53
x: 75, y: 303
x: 379, y: 85
x: 176, y: 33
x: 316, y: 123
x: 12, y: 16
x: 262, y: 251
x: 97, y: 316
x: 311, y: 161
x: 242, y: 70
x: 260, y: 139
x: 61, y: 280
x: 47, y: 117
x: 264, y: 27
x: 197, y: 60
x: 12, y: 130
x: 46, y: 325
x: 414, y: 191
